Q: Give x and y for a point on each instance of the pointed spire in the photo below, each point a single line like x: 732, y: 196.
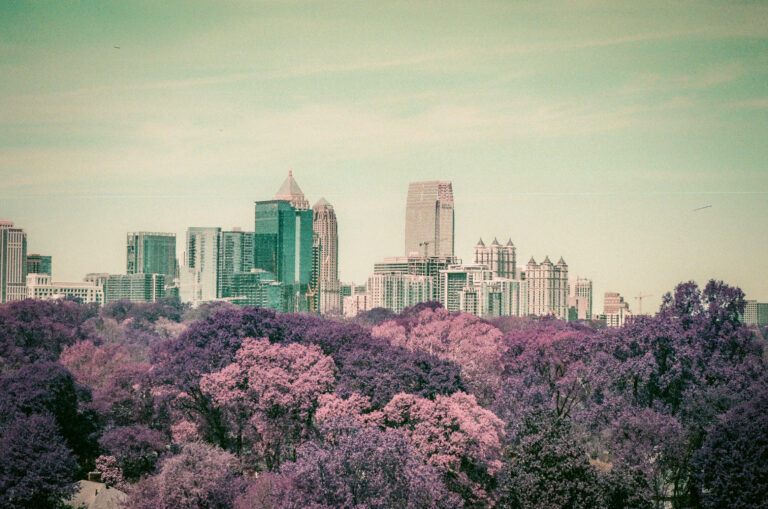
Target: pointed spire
x: 290, y: 191
x: 546, y: 261
x: 322, y: 203
x: 495, y: 242
x: 509, y: 243
x: 531, y: 261
x: 561, y: 261
x: 480, y: 243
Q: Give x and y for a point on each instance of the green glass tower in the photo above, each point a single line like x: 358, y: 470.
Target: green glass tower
x: 151, y: 253
x: 282, y: 242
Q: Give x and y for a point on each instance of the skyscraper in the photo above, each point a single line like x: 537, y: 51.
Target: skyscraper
x: 327, y: 277
x: 235, y: 255
x: 429, y: 219
x: 547, y: 288
x: 151, y: 253
x: 39, y: 264
x: 13, y: 262
x: 582, y: 288
x: 199, y: 277
x: 502, y: 260
x: 282, y: 242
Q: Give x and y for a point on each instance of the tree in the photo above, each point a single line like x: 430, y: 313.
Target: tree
x: 37, y: 469
x: 732, y: 465
x: 546, y: 467
x: 364, y: 467
x: 92, y: 365
x: 49, y: 388
x: 464, y: 339
x: 269, y: 395
x: 135, y: 448
x: 457, y: 436
x: 201, y: 475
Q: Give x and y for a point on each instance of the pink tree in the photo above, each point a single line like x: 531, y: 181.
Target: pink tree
x: 464, y: 339
x: 92, y: 365
x: 269, y: 395
x: 457, y: 436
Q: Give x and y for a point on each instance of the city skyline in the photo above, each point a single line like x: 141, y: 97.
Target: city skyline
x: 574, y: 130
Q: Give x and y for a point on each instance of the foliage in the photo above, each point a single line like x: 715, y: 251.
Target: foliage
x: 135, y: 448
x: 201, y: 475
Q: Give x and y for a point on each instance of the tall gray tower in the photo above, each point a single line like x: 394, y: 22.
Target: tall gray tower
x: 327, y: 277
x: 429, y: 219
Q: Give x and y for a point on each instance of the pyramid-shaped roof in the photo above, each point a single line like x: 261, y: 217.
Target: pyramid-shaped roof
x: 509, y: 243
x: 322, y: 203
x: 532, y: 261
x: 495, y: 242
x: 561, y: 261
x: 480, y: 243
x: 546, y: 261
x: 290, y: 191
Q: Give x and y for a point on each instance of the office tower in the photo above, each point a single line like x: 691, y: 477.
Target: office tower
x: 326, y: 283
x: 398, y: 291
x: 416, y: 266
x: 235, y: 255
x: 257, y: 287
x: 199, y: 277
x: 13, y: 262
x: 39, y: 264
x: 282, y: 244
x: 755, y: 313
x: 455, y: 278
x: 40, y: 286
x: 134, y: 287
x: 547, y: 288
x: 581, y: 287
x: 502, y: 260
x: 429, y: 220
x: 616, y: 310
x: 492, y: 298
x: 151, y: 253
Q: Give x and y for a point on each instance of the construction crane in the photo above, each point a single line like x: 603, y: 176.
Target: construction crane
x: 639, y: 298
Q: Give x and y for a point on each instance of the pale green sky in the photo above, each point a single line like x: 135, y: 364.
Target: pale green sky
x: 588, y: 129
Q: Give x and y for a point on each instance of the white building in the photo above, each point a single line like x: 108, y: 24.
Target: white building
x: 615, y: 309
x: 502, y: 260
x: 356, y: 303
x: 547, y: 288
x: 398, y: 291
x: 495, y: 297
x: 429, y: 219
x: 456, y: 278
x: 327, y: 278
x: 199, y: 275
x: 580, y: 297
x: 40, y: 286
x: 13, y: 262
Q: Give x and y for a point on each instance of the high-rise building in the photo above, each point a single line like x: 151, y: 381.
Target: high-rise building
x: 199, y: 276
x: 491, y: 298
x: 455, y: 278
x: 13, y: 262
x: 755, y: 313
x: 398, y: 291
x: 416, y: 266
x: 39, y: 264
x: 256, y: 287
x: 502, y: 260
x: 547, y: 288
x: 616, y: 310
x: 429, y: 219
x: 151, y: 253
x: 134, y: 287
x: 581, y: 287
x: 235, y: 255
x: 39, y: 286
x: 282, y: 245
x: 326, y: 280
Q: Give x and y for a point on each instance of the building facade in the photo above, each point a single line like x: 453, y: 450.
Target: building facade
x: 199, y: 276
x: 40, y: 286
x: 492, y: 298
x: 547, y: 288
x: 235, y: 255
x: 416, y: 266
x: 282, y: 245
x: 429, y: 219
x: 326, y: 267
x: 615, y: 309
x: 39, y: 264
x: 502, y: 260
x: 256, y: 288
x: 13, y: 262
x: 151, y: 253
x: 755, y: 313
x: 398, y: 291
x: 581, y: 288
x: 455, y: 278
x: 134, y: 287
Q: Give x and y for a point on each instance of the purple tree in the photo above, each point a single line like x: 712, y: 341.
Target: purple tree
x: 201, y: 475
x: 135, y: 448
x: 36, y: 467
x: 731, y: 468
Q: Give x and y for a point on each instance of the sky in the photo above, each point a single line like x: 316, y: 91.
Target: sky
x: 589, y: 130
